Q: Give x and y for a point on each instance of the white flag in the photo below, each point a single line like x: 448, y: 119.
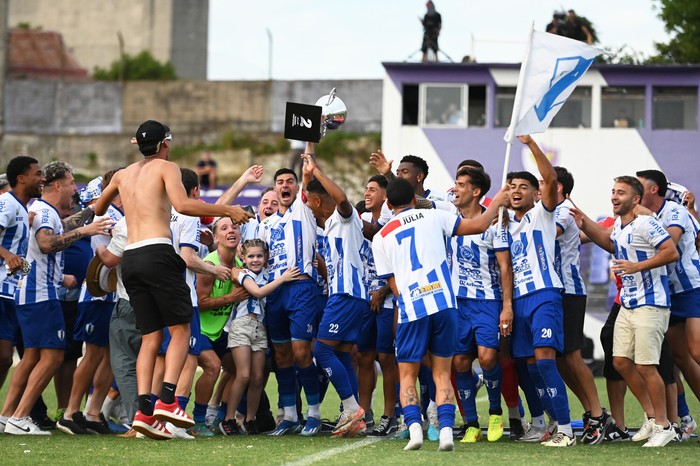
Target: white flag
x: 553, y: 65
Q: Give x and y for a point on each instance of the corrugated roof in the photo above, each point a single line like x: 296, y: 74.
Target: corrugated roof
x: 42, y: 55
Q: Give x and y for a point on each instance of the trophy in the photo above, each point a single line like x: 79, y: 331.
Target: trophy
x: 310, y: 122
x: 333, y: 112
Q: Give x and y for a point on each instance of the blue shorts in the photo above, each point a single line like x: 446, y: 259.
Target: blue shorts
x: 377, y: 331
x: 195, y: 336
x: 92, y: 324
x: 537, y: 323
x: 342, y: 318
x: 42, y: 325
x: 685, y: 305
x: 8, y: 320
x: 478, y: 321
x: 436, y: 333
x: 292, y: 312
x: 220, y: 346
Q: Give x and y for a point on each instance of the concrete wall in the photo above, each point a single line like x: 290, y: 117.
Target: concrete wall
x: 90, y: 29
x: 362, y: 97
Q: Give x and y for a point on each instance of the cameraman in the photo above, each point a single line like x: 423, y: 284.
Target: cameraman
x: 432, y: 22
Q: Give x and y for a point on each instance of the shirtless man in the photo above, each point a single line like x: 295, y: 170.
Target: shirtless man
x: 153, y: 273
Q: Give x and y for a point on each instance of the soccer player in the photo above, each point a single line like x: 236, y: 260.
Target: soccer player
x: 292, y: 308
x: 347, y: 295
x: 641, y: 248
x: 26, y: 179
x: 376, y: 339
x: 483, y: 279
x: 38, y: 310
x: 153, y: 273
x: 267, y: 206
x: 410, y: 253
x: 567, y: 263
x: 537, y: 309
x: 411, y: 168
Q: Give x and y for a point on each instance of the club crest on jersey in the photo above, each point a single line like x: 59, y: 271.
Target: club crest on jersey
x: 517, y: 249
x: 466, y: 254
x: 276, y: 234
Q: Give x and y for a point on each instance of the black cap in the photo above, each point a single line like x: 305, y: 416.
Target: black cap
x: 149, y: 135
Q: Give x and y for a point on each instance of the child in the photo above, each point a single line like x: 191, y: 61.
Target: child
x: 247, y: 335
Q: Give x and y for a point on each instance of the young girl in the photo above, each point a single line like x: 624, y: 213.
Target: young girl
x: 247, y: 335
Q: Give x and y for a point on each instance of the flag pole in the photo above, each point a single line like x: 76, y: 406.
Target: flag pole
x: 513, y: 118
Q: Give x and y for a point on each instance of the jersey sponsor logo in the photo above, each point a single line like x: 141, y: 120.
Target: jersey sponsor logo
x: 541, y: 255
x: 655, y: 230
x: 426, y: 290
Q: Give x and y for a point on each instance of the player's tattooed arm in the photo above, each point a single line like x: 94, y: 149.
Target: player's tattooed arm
x: 49, y: 242
x: 78, y: 219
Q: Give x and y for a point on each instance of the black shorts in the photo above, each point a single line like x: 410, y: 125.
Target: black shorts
x: 606, y: 340
x: 154, y: 278
x: 666, y: 363
x: 574, y: 315
x: 74, y: 348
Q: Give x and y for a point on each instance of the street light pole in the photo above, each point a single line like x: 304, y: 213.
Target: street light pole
x: 269, y: 54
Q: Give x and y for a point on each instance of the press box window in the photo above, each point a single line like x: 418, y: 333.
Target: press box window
x: 622, y: 107
x: 410, y: 105
x: 675, y: 108
x: 442, y: 104
x: 505, y: 97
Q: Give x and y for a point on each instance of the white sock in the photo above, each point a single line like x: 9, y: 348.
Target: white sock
x: 446, y: 435
x: 565, y: 429
x: 108, y: 406
x: 687, y: 418
x: 290, y: 413
x: 416, y: 437
x: 314, y: 411
x: 350, y: 404
x: 538, y: 421
x: 432, y: 406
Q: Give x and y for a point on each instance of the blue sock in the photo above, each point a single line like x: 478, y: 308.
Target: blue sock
x: 492, y: 380
x: 326, y: 358
x: 533, y: 400
x: 221, y: 413
x: 346, y: 359
x: 466, y: 390
x: 154, y: 398
x: 411, y: 415
x: 541, y: 388
x: 446, y: 415
x: 683, y: 409
x: 182, y: 402
x: 424, y: 377
x: 199, y: 412
x: 557, y: 390
x: 521, y: 408
x: 243, y: 404
x: 286, y: 386
x: 114, y: 384
x: 309, y: 380
x: 322, y: 383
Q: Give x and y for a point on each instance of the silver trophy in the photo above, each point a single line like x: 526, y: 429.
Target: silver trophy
x: 333, y: 113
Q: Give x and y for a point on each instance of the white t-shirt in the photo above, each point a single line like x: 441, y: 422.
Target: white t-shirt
x: 115, y: 214
x: 116, y: 246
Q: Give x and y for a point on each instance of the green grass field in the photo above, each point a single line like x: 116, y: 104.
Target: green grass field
x: 262, y: 450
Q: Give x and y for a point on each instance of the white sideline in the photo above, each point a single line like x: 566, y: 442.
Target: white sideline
x: 324, y: 455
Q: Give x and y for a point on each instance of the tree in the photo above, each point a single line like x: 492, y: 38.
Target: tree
x: 134, y: 68
x: 682, y: 18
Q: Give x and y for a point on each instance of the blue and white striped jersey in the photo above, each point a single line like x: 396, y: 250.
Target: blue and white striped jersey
x: 46, y: 275
x: 251, y: 305
x: 531, y: 243
x: 14, y: 221
x: 372, y: 281
x: 185, y: 232
x: 292, y: 239
x: 411, y: 247
x: 684, y: 274
x: 567, y: 251
x: 635, y: 242
x: 342, y: 243
x: 472, y: 261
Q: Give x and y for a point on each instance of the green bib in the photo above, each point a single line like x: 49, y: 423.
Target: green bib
x: 214, y: 320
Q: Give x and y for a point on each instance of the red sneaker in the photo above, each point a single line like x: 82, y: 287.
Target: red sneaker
x: 172, y: 413
x: 150, y: 427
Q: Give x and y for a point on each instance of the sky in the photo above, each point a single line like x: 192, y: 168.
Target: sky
x: 336, y: 39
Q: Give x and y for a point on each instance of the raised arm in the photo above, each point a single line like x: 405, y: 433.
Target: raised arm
x: 343, y: 205
x: 595, y: 232
x: 253, y: 174
x: 471, y: 226
x: 549, y: 176
x: 78, y: 219
x: 378, y: 160
x: 196, y: 264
